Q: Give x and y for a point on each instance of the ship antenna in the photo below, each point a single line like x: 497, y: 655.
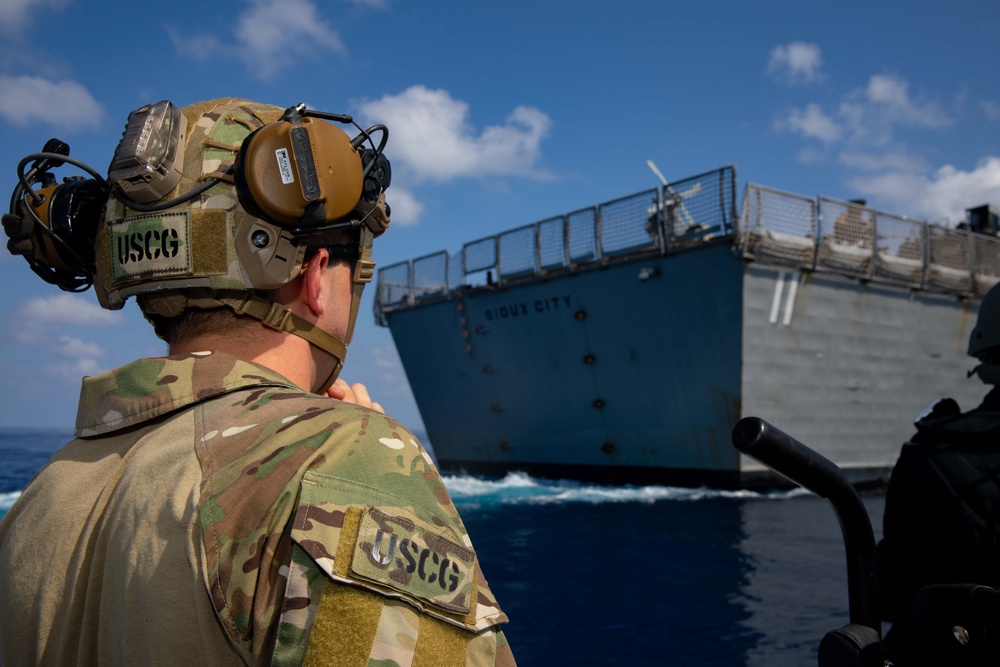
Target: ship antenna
x: 652, y: 166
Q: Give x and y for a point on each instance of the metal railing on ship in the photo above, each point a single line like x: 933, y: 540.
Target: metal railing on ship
x: 847, y: 237
x: 658, y: 220
x: 774, y: 227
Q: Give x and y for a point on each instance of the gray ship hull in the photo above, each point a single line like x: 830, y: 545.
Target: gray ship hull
x: 854, y: 366
x: 634, y: 366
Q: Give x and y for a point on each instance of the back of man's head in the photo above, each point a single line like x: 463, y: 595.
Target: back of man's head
x: 213, y: 206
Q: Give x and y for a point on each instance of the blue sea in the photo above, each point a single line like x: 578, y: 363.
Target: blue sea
x: 655, y: 575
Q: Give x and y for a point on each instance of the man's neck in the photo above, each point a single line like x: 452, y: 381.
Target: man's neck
x: 285, y: 354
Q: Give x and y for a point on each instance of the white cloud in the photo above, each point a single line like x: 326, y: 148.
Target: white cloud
x: 66, y: 104
x: 889, y: 95
x: 866, y: 116
x: 863, y: 130
x: 81, y: 358
x: 17, y: 14
x: 810, y: 122
x: 274, y: 34
x: 75, y: 348
x: 387, y: 370
x: 898, y: 161
x: 71, y: 371
x: 374, y: 4
x: 40, y: 322
x: 431, y: 134
x: 990, y: 109
x: 61, y: 309
x: 796, y: 62
x: 198, y: 47
x: 406, y: 210
x: 271, y: 35
x: 941, y: 196
x: 811, y: 156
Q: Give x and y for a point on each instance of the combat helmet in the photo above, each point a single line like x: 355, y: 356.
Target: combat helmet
x: 984, y: 341
x: 208, y: 206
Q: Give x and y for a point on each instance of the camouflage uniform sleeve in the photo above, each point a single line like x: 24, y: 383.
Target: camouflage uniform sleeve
x: 382, y: 571
x: 327, y: 623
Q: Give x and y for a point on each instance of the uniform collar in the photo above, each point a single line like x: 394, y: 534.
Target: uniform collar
x: 150, y: 388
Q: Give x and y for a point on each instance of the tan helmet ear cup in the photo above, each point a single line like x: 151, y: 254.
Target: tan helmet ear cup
x: 299, y: 172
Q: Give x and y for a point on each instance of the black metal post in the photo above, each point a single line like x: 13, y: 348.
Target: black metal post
x: 789, y: 457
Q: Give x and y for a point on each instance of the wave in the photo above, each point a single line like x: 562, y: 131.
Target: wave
x: 6, y: 500
x: 518, y: 488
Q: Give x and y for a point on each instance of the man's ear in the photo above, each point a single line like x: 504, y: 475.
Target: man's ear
x: 311, y: 288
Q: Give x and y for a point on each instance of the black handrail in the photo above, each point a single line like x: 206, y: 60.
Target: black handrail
x: 789, y: 457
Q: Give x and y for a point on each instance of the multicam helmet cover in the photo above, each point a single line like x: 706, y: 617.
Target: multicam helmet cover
x: 229, y: 196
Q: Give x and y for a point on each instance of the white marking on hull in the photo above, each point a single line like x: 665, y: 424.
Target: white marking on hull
x: 793, y: 288
x: 779, y: 285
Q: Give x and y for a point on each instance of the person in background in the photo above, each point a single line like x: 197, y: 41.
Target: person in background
x: 851, y: 228
x: 233, y: 502
x: 942, y: 506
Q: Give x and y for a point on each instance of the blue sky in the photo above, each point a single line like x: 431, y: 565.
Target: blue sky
x: 501, y: 114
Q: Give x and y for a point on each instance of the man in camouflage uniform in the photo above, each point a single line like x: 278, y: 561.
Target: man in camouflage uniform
x: 231, y: 503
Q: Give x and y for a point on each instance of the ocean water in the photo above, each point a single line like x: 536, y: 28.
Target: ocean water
x: 600, y: 575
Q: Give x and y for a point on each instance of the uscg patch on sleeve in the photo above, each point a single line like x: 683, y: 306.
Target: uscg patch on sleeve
x: 150, y: 244
x: 394, y: 550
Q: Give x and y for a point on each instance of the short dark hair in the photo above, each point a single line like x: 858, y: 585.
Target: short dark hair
x: 195, y: 322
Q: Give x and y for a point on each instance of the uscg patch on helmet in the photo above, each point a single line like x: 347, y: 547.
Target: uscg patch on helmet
x: 154, y: 244
x: 395, y: 551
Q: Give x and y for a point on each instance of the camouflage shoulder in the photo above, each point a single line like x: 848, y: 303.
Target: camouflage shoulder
x: 378, y: 515
x: 390, y: 545
x: 283, y: 470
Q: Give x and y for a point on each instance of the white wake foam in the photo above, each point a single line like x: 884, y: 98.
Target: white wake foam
x: 517, y: 488
x: 7, y: 499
